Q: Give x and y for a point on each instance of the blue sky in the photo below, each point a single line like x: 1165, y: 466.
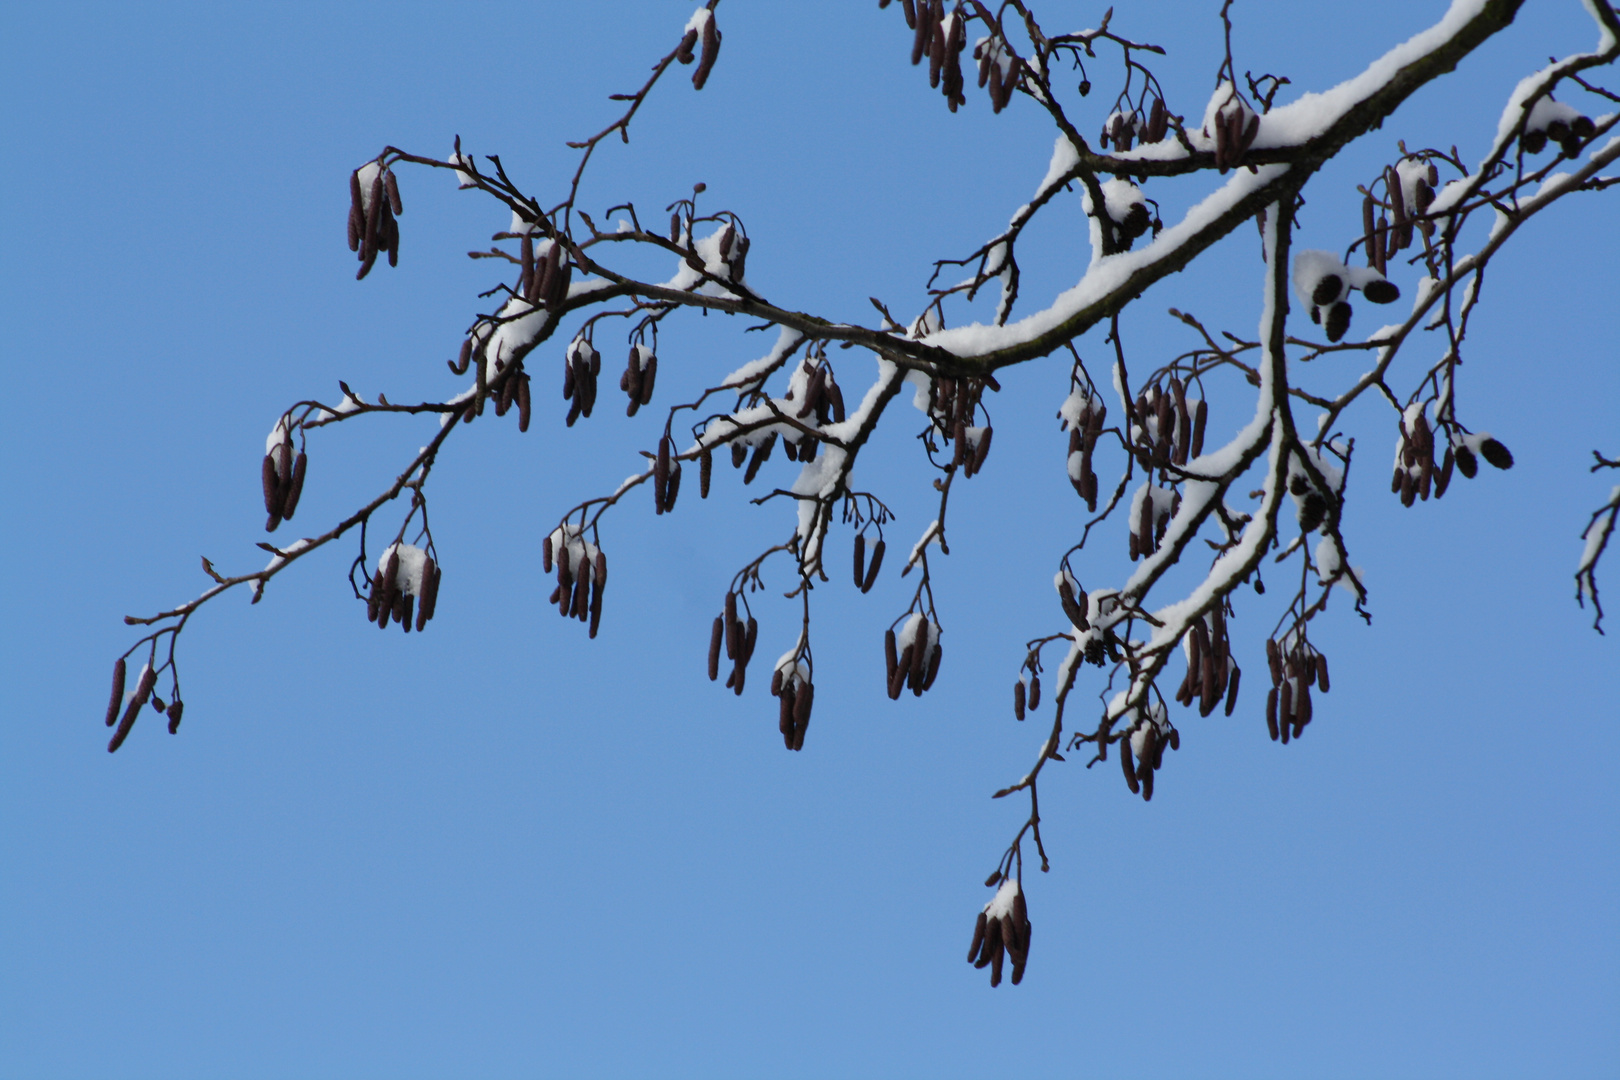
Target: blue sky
x: 499, y: 849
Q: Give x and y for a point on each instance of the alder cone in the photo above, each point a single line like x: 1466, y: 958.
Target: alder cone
x: 1467, y: 463
x: 1381, y: 292
x: 1497, y: 454
x: 1338, y: 321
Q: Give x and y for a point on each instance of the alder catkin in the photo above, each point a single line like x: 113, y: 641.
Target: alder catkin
x: 860, y: 561
x: 873, y: 567
x: 934, y: 659
x: 733, y: 644
x: 1127, y: 765
x: 1034, y: 692
x: 1322, y: 672
x: 1271, y: 712
x: 716, y: 639
x: 175, y: 709
x: 1018, y: 700
x: 1232, y: 689
x: 120, y: 673
x: 296, y: 487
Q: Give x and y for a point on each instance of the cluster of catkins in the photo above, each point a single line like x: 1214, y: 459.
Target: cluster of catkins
x: 1141, y: 748
x: 1101, y: 645
x: 581, y: 574
x: 1026, y: 694
x: 1409, y: 189
x: 1211, y: 671
x: 1288, y: 704
x: 640, y: 375
x: 1121, y: 128
x: 941, y: 38
x: 1169, y: 430
x: 373, y: 205
x: 581, y: 365
x: 514, y: 391
x: 732, y: 246
x: 1084, y: 419
x: 404, y: 589
x: 738, y: 638
x: 1415, y: 471
x: 1323, y: 283
x: 1553, y: 121
x: 822, y: 397
x: 999, y: 71
x: 866, y: 573
x: 791, y: 686
x: 282, y: 476
x: 1233, y: 125
x: 911, y: 658
x: 1151, y: 511
x: 951, y: 403
x: 666, y: 476
x: 1002, y: 930
x: 702, y: 26
x: 143, y: 694
x: 545, y: 275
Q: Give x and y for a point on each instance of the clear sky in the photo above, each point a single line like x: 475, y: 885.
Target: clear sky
x: 499, y: 849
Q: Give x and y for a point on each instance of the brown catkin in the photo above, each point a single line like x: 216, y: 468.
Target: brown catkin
x: 733, y: 644
x: 524, y: 411
x: 175, y: 709
x: 873, y: 566
x: 1034, y: 692
x: 120, y: 673
x: 978, y: 937
x: 860, y: 561
x: 1232, y: 689
x: 1322, y: 672
x: 934, y: 658
x: 716, y: 639
x: 801, y: 713
x: 392, y: 185
x: 649, y: 377
x: 1018, y: 700
x: 1127, y: 765
x: 1271, y: 712
x: 705, y: 472
x: 897, y: 677
x: 296, y: 487
x: 1274, y: 661
x: 267, y: 477
x: 890, y: 659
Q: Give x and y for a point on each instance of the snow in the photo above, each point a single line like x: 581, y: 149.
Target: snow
x: 412, y: 565
x: 278, y: 435
x: 1001, y: 905
x: 699, y: 19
